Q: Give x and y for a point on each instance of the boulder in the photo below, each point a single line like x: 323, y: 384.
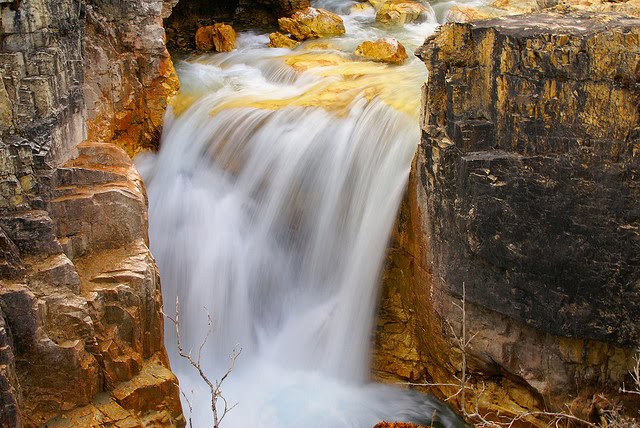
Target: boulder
x: 399, y: 12
x: 312, y: 23
x: 217, y: 37
x: 387, y: 50
x: 279, y: 40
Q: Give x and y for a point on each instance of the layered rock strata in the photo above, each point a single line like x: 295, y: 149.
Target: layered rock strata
x: 80, y: 321
x: 523, y: 191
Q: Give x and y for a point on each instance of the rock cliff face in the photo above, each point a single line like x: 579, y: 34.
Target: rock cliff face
x: 80, y: 323
x: 525, y: 190
x: 129, y: 73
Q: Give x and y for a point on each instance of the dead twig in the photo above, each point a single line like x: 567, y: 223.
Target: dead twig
x: 215, y: 387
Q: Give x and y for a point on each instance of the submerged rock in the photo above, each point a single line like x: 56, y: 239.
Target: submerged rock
x: 384, y: 50
x: 312, y: 23
x: 217, y: 37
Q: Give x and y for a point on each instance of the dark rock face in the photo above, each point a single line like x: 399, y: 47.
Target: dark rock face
x: 525, y: 189
x: 533, y: 170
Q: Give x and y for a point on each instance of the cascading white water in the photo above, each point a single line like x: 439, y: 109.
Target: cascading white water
x: 270, y: 206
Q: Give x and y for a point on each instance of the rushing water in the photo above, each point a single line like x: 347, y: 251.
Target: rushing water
x: 270, y: 205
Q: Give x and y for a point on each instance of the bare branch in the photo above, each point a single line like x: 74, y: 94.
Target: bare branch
x: 214, y: 387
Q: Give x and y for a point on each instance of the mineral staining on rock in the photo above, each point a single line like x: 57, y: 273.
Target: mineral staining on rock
x: 218, y: 37
x: 524, y: 188
x: 384, y: 50
x: 79, y: 291
x: 279, y: 40
x: 312, y: 23
x: 400, y: 12
x: 126, y: 45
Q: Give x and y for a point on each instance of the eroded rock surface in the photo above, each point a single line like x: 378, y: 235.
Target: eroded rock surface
x: 525, y: 190
x: 279, y: 40
x: 217, y: 37
x: 399, y: 12
x: 312, y: 23
x: 79, y: 291
x: 128, y: 72
x: 383, y: 50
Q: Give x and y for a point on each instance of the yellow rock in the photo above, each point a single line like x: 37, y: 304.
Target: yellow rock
x: 218, y: 37
x: 377, y: 4
x: 312, y: 23
x: 398, y: 12
x: 279, y: 40
x: 384, y: 50
x: 467, y: 14
x: 359, y: 7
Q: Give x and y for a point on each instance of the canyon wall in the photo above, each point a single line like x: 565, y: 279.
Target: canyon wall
x: 81, y: 330
x: 523, y: 194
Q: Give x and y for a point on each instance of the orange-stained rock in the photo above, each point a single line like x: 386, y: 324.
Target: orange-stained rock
x: 279, y: 40
x: 312, y: 23
x: 128, y: 75
x: 398, y: 12
x: 383, y: 50
x: 217, y: 37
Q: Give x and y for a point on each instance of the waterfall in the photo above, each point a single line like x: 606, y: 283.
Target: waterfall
x: 270, y: 204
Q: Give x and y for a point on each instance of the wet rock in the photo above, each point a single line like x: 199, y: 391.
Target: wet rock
x: 399, y: 12
x: 312, y: 23
x: 383, y: 50
x: 218, y: 37
x: 279, y: 40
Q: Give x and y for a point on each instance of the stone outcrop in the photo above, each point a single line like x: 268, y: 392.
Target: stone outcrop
x: 383, y: 50
x: 279, y: 40
x: 399, y: 12
x: 80, y: 321
x: 312, y: 23
x: 128, y: 72
x: 217, y: 37
x: 500, y: 8
x: 524, y: 190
